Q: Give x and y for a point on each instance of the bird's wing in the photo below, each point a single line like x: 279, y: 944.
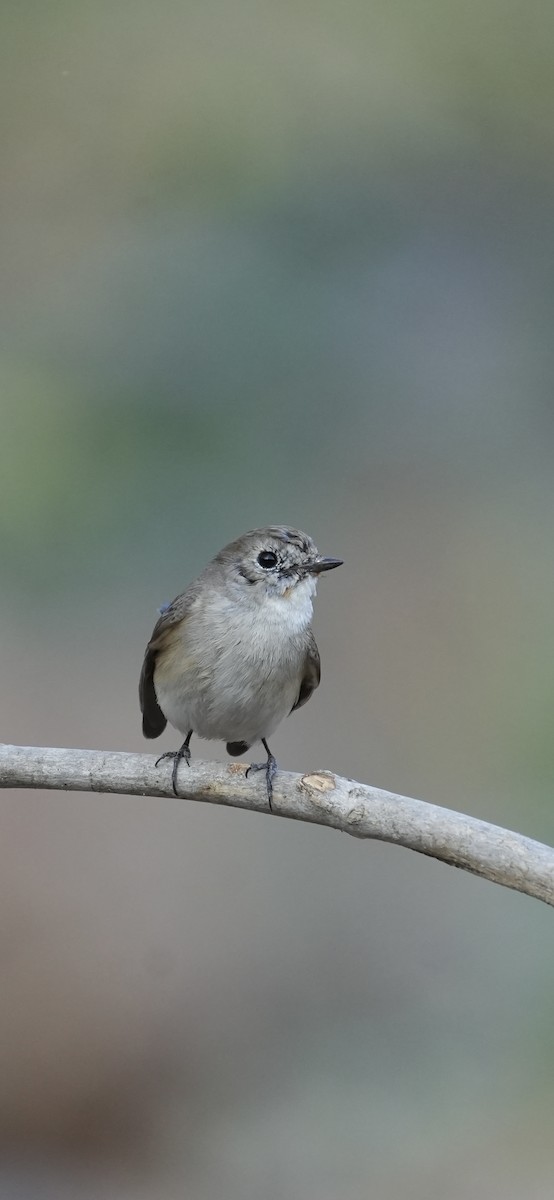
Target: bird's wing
x: 153, y: 719
x: 311, y: 674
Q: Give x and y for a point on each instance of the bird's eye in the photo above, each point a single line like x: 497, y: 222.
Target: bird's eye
x: 267, y: 559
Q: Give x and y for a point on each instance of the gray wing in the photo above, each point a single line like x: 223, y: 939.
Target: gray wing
x: 153, y: 719
x: 311, y: 674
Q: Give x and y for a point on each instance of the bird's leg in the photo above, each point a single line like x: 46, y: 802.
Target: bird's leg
x: 177, y: 756
x: 270, y: 768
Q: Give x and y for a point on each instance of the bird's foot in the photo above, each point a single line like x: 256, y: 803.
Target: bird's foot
x: 177, y: 756
x: 270, y: 768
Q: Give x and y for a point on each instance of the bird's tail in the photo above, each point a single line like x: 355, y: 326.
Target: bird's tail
x: 235, y: 748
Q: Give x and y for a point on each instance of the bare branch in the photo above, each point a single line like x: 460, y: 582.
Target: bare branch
x: 320, y: 797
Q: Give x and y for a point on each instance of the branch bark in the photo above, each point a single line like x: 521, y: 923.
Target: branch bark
x: 320, y: 797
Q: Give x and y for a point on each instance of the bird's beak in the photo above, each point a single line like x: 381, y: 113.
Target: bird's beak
x: 323, y: 564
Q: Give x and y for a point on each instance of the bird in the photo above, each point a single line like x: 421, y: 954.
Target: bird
x: 234, y: 653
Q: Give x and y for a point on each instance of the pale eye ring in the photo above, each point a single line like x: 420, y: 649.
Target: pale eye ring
x: 267, y: 559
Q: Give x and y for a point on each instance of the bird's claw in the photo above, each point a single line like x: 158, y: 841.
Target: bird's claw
x: 270, y: 768
x: 177, y: 756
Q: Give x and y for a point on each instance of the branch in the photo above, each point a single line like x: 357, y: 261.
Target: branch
x: 320, y: 797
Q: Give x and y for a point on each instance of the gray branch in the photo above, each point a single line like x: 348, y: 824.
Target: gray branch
x: 319, y: 797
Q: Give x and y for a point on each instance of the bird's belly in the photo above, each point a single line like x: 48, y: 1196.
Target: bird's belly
x: 226, y: 692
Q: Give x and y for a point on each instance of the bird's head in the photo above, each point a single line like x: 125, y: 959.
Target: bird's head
x: 277, y: 561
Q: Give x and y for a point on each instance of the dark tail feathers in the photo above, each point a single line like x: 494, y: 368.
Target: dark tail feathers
x: 235, y: 748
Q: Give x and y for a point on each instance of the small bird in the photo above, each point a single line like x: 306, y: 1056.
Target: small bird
x: 234, y: 653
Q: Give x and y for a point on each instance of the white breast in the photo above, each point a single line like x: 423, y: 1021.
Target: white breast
x: 236, y: 670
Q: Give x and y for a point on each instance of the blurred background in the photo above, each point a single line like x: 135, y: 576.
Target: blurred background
x: 278, y: 263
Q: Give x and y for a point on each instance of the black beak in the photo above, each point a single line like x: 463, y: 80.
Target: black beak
x: 323, y: 564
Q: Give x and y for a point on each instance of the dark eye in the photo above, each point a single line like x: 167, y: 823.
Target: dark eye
x: 267, y: 559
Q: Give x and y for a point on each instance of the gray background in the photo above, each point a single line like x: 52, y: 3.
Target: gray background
x: 278, y: 263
